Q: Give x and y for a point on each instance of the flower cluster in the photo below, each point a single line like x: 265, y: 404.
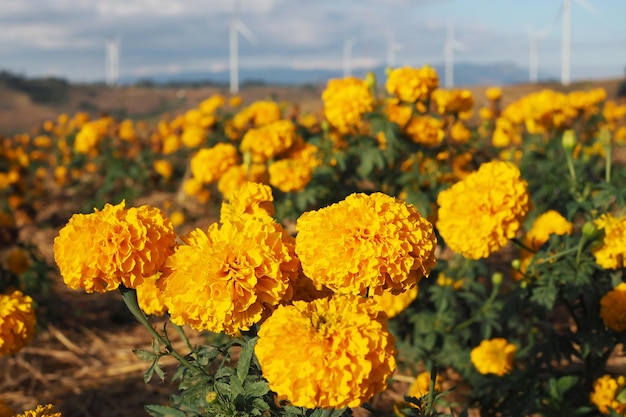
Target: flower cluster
x: 116, y: 246
x: 495, y: 356
x: 346, y: 100
x: 479, y: 214
x: 209, y: 164
x: 17, y: 322
x: 269, y: 140
x: 366, y: 243
x: 425, y: 130
x: 336, y: 351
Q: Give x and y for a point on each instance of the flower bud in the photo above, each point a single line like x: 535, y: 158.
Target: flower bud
x: 210, y: 397
x: 516, y: 264
x: 370, y: 79
x: 569, y: 139
x: 497, y: 278
x: 589, y: 230
x: 604, y: 137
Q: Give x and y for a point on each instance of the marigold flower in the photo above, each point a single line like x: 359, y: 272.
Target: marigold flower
x: 236, y: 176
x: 346, y: 100
x: 397, y: 112
x: 40, y: 411
x: 605, y: 392
x: 493, y: 93
x: 613, y: 308
x: 412, y: 84
x: 17, y: 322
x: 460, y: 133
x: 164, y: 168
x: 611, y: 254
x: 209, y: 164
x: 231, y: 277
x: 269, y: 140
x: 425, y: 130
x: 289, y: 175
x: 495, y: 356
x: 193, y: 136
x: 479, y: 214
x: 101, y: 250
x: 251, y: 198
x: 548, y: 223
x: 150, y: 296
x: 421, y: 385
x: 337, y: 352
x: 393, y: 304
x: 366, y: 242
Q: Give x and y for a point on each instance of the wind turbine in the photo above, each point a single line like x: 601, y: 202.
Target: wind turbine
x: 533, y: 57
x: 449, y: 47
x: 392, y: 48
x: 566, y: 11
x: 347, y: 57
x: 112, y: 62
x: 235, y: 27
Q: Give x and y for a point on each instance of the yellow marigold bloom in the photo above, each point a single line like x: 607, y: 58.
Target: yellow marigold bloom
x: 238, y: 175
x: 397, y: 112
x: 444, y: 281
x: 493, y: 93
x: 289, y: 175
x: 192, y: 186
x: 171, y: 143
x: 550, y: 222
x: 495, y: 356
x: 101, y: 250
x: 231, y: 277
x: 258, y: 114
x: 479, y: 214
x: 269, y: 140
x: 366, y: 242
x: 337, y: 352
x: 460, y: 133
x: 425, y: 130
x: 177, y: 217
x: 421, y: 385
x: 611, y: 254
x: 40, y: 411
x: 453, y: 101
x: 164, y: 168
x: 613, y: 308
x: 346, y: 100
x: 193, y: 136
x: 235, y: 101
x: 127, y: 131
x: 393, y: 304
x: 17, y: 322
x: 87, y: 138
x: 412, y: 84
x: 209, y: 164
x: 605, y: 392
x: 150, y: 296
x: 250, y: 198
x: 18, y: 260
x: 211, y: 104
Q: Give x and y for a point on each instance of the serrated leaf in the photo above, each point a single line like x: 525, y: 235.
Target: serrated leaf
x: 145, y: 355
x: 243, y: 365
x: 257, y: 389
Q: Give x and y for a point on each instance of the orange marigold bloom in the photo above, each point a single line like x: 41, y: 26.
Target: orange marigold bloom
x: 232, y: 276
x: 493, y: 93
x: 412, y: 84
x: 150, y: 296
x: 337, y: 352
x: 346, y: 100
x: 605, y: 392
x: 613, y: 308
x: 611, y: 254
x: 460, y: 133
x: 251, y: 198
x: 209, y: 164
x: 550, y: 222
x: 366, y: 242
x: 238, y: 175
x: 164, y: 168
x: 479, y: 214
x: 17, y: 322
x: 393, y: 304
x: 101, y: 250
x: 421, y: 385
x: 495, y: 356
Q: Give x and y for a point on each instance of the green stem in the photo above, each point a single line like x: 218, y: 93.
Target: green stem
x: 182, y: 335
x: 328, y: 412
x: 607, y: 173
x: 558, y: 255
x: 570, y: 166
x: 519, y: 243
x: 129, y: 296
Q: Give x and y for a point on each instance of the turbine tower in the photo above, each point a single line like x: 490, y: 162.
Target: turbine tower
x: 392, y: 48
x: 112, y: 62
x: 235, y: 28
x: 566, y: 11
x: 533, y: 56
x: 347, y: 57
x: 449, y: 47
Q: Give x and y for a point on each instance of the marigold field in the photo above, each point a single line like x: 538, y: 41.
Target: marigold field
x: 403, y: 250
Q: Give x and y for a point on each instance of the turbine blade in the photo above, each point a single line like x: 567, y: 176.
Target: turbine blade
x: 590, y: 7
x: 245, y: 32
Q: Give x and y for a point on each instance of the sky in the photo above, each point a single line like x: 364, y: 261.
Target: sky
x: 67, y: 38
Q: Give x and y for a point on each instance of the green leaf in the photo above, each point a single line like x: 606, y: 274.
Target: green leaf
x: 257, y: 389
x: 145, y: 355
x: 243, y: 365
x: 156, y: 410
x: 153, y: 368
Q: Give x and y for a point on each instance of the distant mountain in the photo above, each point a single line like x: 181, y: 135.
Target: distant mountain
x: 465, y: 74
